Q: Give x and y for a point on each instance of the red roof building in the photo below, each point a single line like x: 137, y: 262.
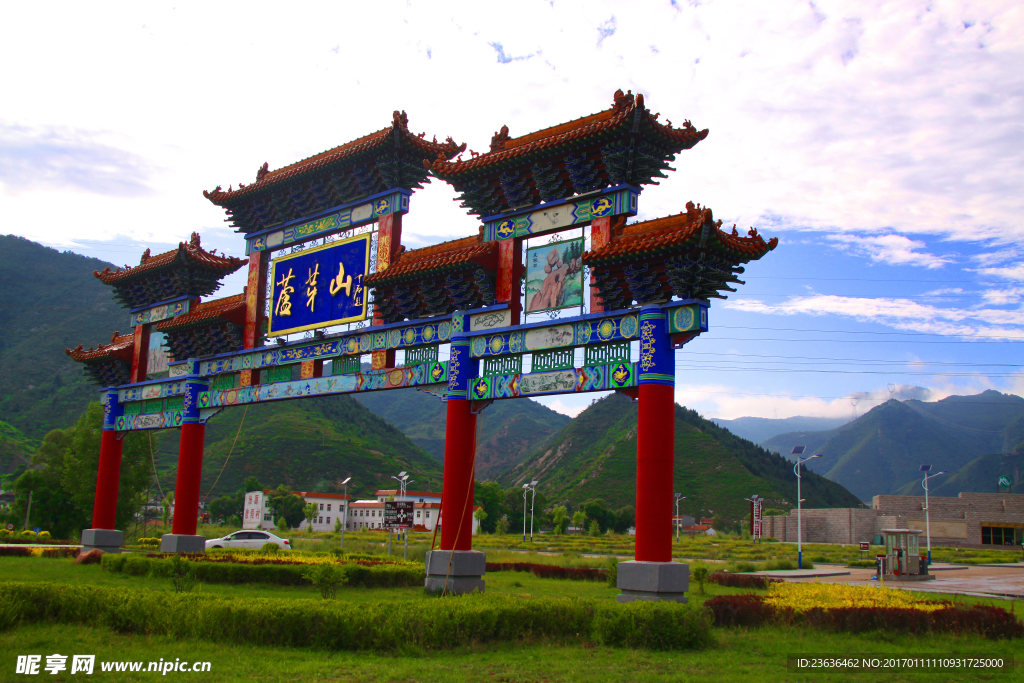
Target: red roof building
x: 109, y: 365
x: 687, y: 255
x: 436, y: 280
x: 389, y: 158
x: 210, y: 328
x: 623, y: 145
x: 188, y: 270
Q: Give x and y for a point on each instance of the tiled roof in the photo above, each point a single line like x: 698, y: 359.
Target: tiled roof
x: 439, y: 257
x: 672, y: 232
x: 419, y: 494
x: 121, y: 347
x: 311, y: 494
x: 266, y: 178
x: 622, y: 112
x: 230, y: 308
x: 188, y: 253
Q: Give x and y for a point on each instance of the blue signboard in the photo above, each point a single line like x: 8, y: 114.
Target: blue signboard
x: 319, y: 287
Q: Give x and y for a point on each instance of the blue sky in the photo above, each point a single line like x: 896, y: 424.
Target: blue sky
x: 882, y: 142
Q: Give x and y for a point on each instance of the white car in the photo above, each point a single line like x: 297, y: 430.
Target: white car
x: 248, y: 539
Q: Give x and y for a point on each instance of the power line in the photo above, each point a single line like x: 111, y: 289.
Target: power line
x: 907, y: 334
x: 865, y: 360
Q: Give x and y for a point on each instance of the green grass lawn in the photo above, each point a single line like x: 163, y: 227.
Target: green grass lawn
x: 739, y: 654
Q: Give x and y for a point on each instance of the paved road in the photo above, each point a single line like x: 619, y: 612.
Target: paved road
x: 1005, y: 581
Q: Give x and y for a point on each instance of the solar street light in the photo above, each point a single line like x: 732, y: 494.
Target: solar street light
x: 927, y: 518
x: 797, y: 451
x: 345, y: 518
x: 679, y: 497
x: 531, y: 487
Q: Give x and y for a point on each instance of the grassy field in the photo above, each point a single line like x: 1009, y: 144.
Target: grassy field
x: 739, y: 654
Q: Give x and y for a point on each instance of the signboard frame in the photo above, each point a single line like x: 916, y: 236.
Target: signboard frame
x: 325, y: 281
x: 393, y: 517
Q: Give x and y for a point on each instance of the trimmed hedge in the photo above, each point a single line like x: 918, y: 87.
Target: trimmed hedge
x: 751, y: 611
x: 428, y: 624
x: 15, y: 552
x: 742, y: 580
x: 377, y: 576
x: 548, y: 571
x: 57, y: 553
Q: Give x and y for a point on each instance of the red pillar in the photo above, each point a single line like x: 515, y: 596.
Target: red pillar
x: 140, y: 353
x: 108, y: 477
x: 655, y: 445
x: 190, y: 473
x: 389, y: 241
x: 457, y: 493
x: 255, y: 302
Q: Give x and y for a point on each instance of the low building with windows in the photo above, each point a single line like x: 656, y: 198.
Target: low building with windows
x: 257, y: 514
x: 968, y: 520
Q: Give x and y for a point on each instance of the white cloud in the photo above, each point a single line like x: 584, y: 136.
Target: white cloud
x: 896, y: 250
x: 902, y: 314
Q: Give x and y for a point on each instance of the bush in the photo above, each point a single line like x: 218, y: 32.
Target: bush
x: 549, y: 571
x: 700, y: 575
x: 282, y: 525
x: 15, y: 552
x: 325, y: 577
x: 28, y: 533
x: 376, y: 626
x: 43, y: 535
x: 613, y: 572
x: 4, y: 533
x: 747, y: 581
x: 57, y: 553
x: 153, y: 542
x: 740, y: 610
x: 271, y: 548
x: 183, y: 575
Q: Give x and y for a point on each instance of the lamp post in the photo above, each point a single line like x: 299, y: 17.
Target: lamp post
x: 927, y: 520
x: 345, y: 522
x: 531, y: 487
x: 753, y: 504
x: 679, y: 497
x: 798, y: 451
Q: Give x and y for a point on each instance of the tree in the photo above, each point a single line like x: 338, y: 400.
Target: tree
x: 594, y: 529
x: 624, y: 519
x: 480, y: 516
x: 81, y: 463
x: 168, y: 504
x: 489, y: 495
x: 579, y: 518
x: 337, y: 525
x: 310, y: 511
x: 560, y: 518
x: 282, y: 524
x: 286, y: 504
x: 251, y: 484
x: 502, y: 526
x: 514, y: 508
x: 227, y: 506
x: 597, y: 509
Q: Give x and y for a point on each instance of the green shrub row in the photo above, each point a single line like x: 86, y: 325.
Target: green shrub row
x: 376, y: 576
x: 436, y: 624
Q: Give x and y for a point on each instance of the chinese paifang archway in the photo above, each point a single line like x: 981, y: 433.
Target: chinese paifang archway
x: 324, y: 246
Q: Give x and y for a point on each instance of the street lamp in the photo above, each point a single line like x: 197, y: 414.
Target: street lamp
x: 345, y: 523
x: 798, y: 451
x: 927, y: 521
x: 753, y: 502
x: 679, y: 497
x: 532, y: 487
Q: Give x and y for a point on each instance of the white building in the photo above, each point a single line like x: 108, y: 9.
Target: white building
x: 257, y: 515
x: 362, y: 514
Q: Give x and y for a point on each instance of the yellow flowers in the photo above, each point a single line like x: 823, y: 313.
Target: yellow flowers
x: 801, y: 597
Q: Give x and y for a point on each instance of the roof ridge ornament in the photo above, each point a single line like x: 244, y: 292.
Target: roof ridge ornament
x: 261, y: 172
x: 500, y: 138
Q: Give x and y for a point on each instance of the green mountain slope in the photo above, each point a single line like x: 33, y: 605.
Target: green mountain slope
x: 595, y: 457
x: 312, y: 444
x: 52, y: 302
x: 882, y: 451
x: 15, y: 449
x: 507, y: 431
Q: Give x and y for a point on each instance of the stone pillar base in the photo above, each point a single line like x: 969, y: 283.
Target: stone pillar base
x: 653, y: 581
x: 107, y: 540
x: 182, y: 543
x: 459, y: 571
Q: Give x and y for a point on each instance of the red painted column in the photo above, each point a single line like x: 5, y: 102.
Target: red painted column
x: 459, y: 444
x: 655, y: 439
x: 510, y: 272
x: 108, y: 478
x: 140, y: 353
x: 389, y: 241
x: 190, y: 473
x: 457, y: 492
x: 255, y: 303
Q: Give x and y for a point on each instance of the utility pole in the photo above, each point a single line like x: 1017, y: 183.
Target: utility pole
x: 345, y: 522
x: 29, y: 510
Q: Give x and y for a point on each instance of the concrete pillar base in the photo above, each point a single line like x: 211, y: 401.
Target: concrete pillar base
x: 656, y: 581
x: 107, y: 540
x: 459, y: 571
x: 182, y: 543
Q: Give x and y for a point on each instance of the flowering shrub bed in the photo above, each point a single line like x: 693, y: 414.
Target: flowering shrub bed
x: 850, y: 609
x: 57, y: 553
x: 15, y: 552
x: 742, y: 580
x: 427, y: 624
x: 548, y: 571
x: 282, y: 572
